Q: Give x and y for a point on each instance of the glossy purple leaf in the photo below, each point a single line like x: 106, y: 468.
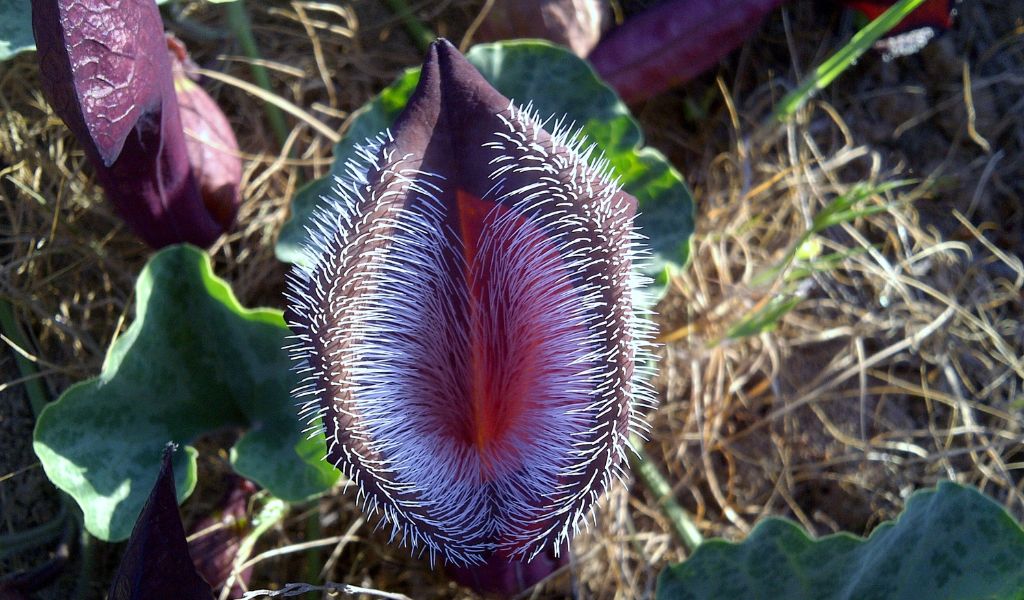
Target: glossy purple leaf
x: 156, y: 564
x: 105, y: 70
x: 673, y: 42
x: 466, y: 323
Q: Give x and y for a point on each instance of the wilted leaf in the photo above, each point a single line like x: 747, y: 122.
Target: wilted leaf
x: 156, y: 564
x: 952, y: 543
x: 194, y: 361
x: 557, y: 83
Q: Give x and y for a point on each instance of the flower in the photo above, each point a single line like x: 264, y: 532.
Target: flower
x: 467, y: 323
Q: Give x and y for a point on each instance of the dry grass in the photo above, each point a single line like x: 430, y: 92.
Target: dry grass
x: 900, y: 367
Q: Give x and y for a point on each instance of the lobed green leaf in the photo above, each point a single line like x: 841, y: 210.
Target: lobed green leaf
x: 950, y: 543
x: 193, y: 361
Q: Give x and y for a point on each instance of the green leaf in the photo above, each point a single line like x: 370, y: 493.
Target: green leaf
x: 765, y: 318
x: 845, y: 57
x: 557, y: 83
x: 951, y: 543
x: 15, y: 28
x: 194, y: 361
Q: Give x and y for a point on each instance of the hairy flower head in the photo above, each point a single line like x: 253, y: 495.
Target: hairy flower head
x: 466, y: 323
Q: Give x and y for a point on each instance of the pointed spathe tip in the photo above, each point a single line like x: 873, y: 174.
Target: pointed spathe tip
x: 444, y: 59
x: 452, y: 102
x: 441, y: 42
x: 435, y: 48
x: 440, y: 50
x: 443, y: 46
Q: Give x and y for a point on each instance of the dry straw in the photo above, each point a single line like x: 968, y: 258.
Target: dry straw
x: 897, y: 365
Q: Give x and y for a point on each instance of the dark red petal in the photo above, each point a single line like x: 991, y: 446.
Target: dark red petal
x: 933, y: 13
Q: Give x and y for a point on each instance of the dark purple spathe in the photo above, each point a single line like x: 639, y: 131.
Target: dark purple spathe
x: 465, y: 323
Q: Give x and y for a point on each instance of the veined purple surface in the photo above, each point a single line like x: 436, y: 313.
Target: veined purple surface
x: 105, y: 70
x: 466, y: 323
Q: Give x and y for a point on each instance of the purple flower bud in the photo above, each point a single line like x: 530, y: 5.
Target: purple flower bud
x: 209, y: 139
x: 467, y: 326
x: 214, y: 551
x: 576, y: 24
x: 672, y: 42
x: 106, y: 71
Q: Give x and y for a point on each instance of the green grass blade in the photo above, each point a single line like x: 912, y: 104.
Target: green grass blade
x: 765, y: 319
x: 238, y: 20
x: 421, y: 35
x: 846, y: 56
x: 647, y: 472
x: 837, y: 211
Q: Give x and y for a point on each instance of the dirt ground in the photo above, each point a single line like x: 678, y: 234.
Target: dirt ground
x: 901, y: 365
